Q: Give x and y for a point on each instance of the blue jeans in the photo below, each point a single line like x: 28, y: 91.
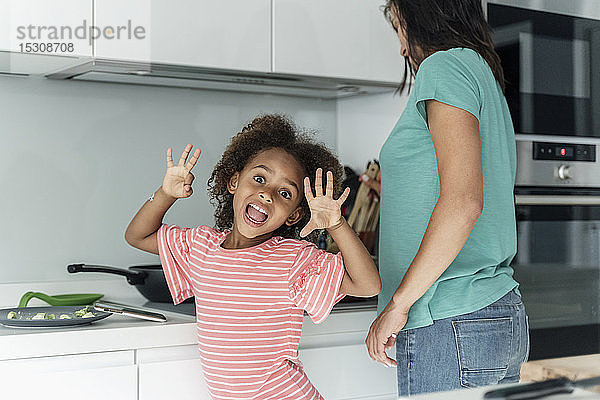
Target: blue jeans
x: 481, y: 348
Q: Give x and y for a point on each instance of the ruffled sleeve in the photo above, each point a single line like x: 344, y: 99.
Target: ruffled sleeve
x: 174, y: 244
x: 315, y: 279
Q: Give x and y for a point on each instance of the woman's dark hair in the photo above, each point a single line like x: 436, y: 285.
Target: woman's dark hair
x: 434, y: 25
x: 266, y: 132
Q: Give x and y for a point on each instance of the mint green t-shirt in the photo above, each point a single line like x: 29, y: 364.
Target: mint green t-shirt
x: 481, y: 272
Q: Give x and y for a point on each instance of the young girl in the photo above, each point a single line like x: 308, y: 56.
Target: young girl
x: 252, y: 277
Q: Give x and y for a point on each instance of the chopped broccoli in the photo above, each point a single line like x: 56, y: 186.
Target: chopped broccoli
x: 82, y: 312
x: 40, y: 315
x: 85, y: 312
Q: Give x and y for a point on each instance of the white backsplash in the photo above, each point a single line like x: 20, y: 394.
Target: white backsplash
x: 363, y: 125
x: 79, y: 159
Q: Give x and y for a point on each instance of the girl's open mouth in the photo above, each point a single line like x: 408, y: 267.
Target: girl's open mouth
x: 255, y: 215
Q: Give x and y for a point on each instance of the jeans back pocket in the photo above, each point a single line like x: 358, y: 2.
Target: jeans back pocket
x: 484, y: 348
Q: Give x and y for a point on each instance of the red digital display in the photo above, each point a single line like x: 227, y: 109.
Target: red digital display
x: 563, y: 151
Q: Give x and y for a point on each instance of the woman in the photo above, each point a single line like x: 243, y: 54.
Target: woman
x: 449, y: 302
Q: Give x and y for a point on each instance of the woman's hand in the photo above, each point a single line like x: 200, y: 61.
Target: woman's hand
x: 373, y: 184
x: 178, y: 179
x: 383, y: 331
x: 324, y: 210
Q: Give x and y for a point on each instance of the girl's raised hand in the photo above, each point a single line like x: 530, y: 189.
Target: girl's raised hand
x: 325, y: 212
x: 178, y: 179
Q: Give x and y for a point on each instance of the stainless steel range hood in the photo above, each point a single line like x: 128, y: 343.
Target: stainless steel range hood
x: 102, y: 70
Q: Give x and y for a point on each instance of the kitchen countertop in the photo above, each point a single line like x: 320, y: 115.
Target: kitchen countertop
x: 477, y: 394
x: 574, y: 368
x: 347, y: 324
x: 113, y: 333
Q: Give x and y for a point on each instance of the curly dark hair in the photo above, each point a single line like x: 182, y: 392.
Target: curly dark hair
x: 263, y: 133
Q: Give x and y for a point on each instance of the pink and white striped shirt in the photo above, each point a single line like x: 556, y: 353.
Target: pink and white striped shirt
x: 249, y: 307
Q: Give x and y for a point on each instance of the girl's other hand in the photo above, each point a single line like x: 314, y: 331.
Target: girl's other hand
x: 324, y: 210
x: 178, y: 179
x: 373, y: 184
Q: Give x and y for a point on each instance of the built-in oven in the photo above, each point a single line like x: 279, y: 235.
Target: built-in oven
x: 557, y: 197
x: 550, y: 54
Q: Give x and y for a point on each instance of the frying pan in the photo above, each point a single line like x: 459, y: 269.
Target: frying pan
x: 149, y: 280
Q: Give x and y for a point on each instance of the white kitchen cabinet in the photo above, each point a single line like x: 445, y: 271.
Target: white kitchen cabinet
x: 234, y: 34
x: 96, y: 376
x: 330, y: 38
x: 163, y: 369
x: 347, y: 372
x: 335, y: 38
x: 46, y: 23
x: 43, y: 36
x: 327, y: 38
x: 336, y: 360
x: 338, y: 372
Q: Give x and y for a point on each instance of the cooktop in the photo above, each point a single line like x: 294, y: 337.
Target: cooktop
x: 347, y: 304
x: 181, y: 308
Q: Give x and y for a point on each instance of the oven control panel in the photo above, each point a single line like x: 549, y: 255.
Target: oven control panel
x: 559, y: 163
x: 564, y: 152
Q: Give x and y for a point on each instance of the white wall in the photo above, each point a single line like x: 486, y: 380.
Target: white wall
x: 79, y: 159
x: 363, y: 124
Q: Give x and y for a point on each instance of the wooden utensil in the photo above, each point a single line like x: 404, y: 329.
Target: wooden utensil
x: 365, y: 212
x: 360, y: 210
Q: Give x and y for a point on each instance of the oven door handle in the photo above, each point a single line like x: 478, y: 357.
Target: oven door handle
x: 556, y: 200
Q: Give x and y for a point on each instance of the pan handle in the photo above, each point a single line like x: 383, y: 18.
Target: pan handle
x: 133, y: 277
